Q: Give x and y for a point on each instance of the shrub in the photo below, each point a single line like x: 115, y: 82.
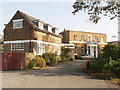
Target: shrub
x: 50, y: 58
x: 58, y: 58
x: 39, y: 61
x: 31, y: 64
x: 97, y: 64
x: 71, y: 59
x: 115, y: 67
x: 65, y: 54
x: 108, y: 60
x: 112, y: 51
x: 78, y: 57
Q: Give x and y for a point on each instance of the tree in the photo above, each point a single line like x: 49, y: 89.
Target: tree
x: 94, y: 9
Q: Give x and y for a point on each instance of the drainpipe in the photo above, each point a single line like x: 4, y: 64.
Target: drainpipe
x: 30, y: 50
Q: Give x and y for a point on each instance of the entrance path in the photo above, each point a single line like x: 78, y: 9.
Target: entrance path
x: 64, y: 75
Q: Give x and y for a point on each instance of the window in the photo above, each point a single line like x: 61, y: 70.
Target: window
x: 17, y: 24
x: 96, y: 39
x: 75, y: 37
x: 102, y: 39
x: 82, y: 37
x: 36, y: 23
x: 40, y: 49
x: 40, y: 25
x: 90, y: 38
x: 17, y: 46
x: 53, y: 30
x: 75, y: 50
x: 82, y: 50
x: 58, y: 50
x: 45, y: 26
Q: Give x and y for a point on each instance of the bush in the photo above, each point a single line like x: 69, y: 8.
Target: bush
x: 78, y: 57
x: 39, y: 61
x: 112, y: 51
x: 98, y: 65
x: 31, y: 64
x: 65, y: 54
x: 71, y: 59
x: 115, y: 67
x: 36, y: 62
x: 108, y: 60
x: 50, y: 58
x: 58, y: 59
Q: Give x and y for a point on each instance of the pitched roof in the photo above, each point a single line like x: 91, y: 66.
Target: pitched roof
x: 28, y: 16
x: 82, y: 31
x: 30, y: 19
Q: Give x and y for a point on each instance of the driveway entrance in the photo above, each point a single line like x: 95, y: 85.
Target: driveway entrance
x: 64, y: 75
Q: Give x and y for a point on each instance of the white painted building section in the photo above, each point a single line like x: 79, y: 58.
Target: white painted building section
x: 119, y: 28
x: 92, y: 50
x: 49, y: 29
x: 41, y: 25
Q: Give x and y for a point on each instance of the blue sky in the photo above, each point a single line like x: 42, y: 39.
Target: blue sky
x: 59, y: 14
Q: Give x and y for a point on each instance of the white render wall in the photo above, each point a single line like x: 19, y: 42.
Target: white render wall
x: 49, y: 29
x: 119, y: 29
x: 41, y: 26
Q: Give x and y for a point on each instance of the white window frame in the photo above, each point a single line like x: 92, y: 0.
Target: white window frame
x: 75, y: 37
x: 102, y: 39
x: 75, y: 50
x: 96, y: 38
x: 19, y: 22
x: 82, y: 50
x: 82, y: 37
x: 17, y: 46
x: 58, y: 50
x: 89, y: 40
x: 40, y: 48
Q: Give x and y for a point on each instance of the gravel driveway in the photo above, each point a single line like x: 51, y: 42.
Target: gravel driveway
x: 64, y: 75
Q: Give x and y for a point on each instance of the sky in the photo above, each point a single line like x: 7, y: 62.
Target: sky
x: 58, y: 13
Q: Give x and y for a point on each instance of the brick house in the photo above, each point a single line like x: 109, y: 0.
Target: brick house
x: 25, y: 33
x: 86, y: 43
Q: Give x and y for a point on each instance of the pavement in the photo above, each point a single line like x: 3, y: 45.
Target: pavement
x: 64, y: 75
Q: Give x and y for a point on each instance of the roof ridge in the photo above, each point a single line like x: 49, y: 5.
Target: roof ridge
x: 85, y: 31
x: 29, y: 16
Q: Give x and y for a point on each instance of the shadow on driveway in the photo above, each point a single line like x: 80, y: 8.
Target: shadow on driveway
x: 73, y: 68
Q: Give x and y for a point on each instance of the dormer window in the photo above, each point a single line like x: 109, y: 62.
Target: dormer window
x: 36, y: 23
x: 53, y: 30
x: 18, y: 23
x: 41, y: 25
x: 45, y: 26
